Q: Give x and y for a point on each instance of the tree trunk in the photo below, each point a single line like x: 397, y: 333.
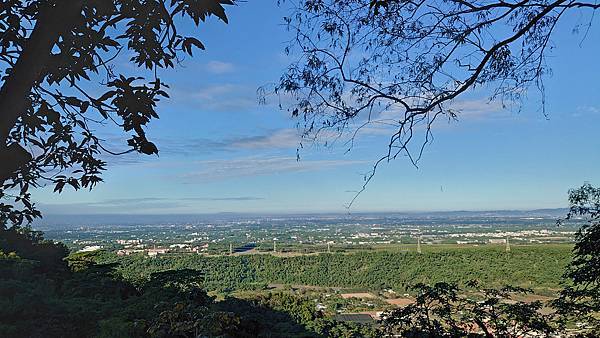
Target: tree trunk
x: 30, y: 69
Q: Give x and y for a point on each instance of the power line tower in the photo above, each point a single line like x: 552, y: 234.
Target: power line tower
x: 419, y: 244
x: 507, y: 245
x: 231, y: 248
x: 274, y: 246
x: 328, y: 247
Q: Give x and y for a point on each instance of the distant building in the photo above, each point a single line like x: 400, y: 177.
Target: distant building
x: 156, y: 252
x: 359, y: 295
x: 179, y: 246
x: 90, y: 248
x: 361, y: 318
x: 129, y: 241
x: 127, y: 252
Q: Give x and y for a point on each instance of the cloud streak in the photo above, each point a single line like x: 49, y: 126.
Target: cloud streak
x: 146, y: 200
x: 258, y: 166
x: 140, y: 205
x: 219, y: 67
x: 386, y: 121
x: 232, y: 199
x: 221, y: 97
x: 276, y: 139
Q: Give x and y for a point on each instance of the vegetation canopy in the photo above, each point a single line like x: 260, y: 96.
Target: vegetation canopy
x: 61, y: 82
x: 581, y: 298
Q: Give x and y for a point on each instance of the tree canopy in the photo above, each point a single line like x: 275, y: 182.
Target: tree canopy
x: 60, y: 84
x: 404, y: 64
x: 581, y: 298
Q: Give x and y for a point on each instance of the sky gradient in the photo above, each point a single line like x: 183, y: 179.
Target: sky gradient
x: 220, y: 151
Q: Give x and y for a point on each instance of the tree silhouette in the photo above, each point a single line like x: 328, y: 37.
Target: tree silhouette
x: 442, y: 310
x: 403, y: 64
x: 60, y: 83
x: 580, y: 299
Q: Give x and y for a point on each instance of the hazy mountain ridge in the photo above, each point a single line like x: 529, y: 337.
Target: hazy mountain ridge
x: 50, y: 221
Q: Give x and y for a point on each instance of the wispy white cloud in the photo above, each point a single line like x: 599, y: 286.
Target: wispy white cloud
x: 585, y: 110
x: 219, y: 67
x: 289, y: 138
x: 278, y: 139
x: 214, y: 91
x: 224, y: 97
x: 386, y: 121
x: 232, y: 199
x: 465, y: 109
x: 258, y: 166
x: 146, y: 200
x: 286, y: 138
x: 478, y: 108
x: 139, y: 205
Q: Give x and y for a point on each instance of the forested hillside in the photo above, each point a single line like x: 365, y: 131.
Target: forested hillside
x: 45, y: 294
x: 534, y: 266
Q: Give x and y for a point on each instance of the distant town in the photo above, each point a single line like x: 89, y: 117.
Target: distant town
x: 302, y: 234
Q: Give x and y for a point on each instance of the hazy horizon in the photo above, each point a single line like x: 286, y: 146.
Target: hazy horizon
x: 103, y: 219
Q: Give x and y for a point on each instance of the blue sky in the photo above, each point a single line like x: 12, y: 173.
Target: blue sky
x: 220, y: 151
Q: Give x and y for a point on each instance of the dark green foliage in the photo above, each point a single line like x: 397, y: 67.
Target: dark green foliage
x: 580, y: 299
x: 264, y: 318
x: 29, y: 244
x: 76, y: 297
x: 303, y: 311
x: 441, y: 310
x: 166, y: 298
x: 527, y: 266
x: 61, y: 81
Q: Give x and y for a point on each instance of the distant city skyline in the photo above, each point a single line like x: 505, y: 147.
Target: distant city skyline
x: 221, y: 151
